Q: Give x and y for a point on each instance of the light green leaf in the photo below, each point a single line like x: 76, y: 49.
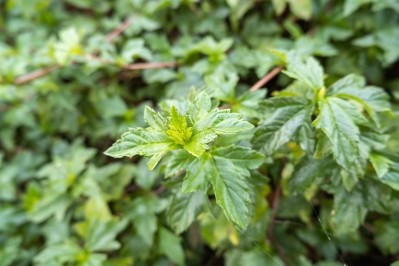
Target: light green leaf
x: 380, y: 163
x: 391, y: 178
x: 222, y: 85
x: 307, y: 70
x: 133, y: 49
x: 100, y: 235
x: 191, y: 130
x: 139, y: 141
x: 183, y: 209
x: 279, y: 6
x: 169, y: 244
x: 288, y: 114
x: 61, y: 253
x: 352, y: 87
x: 155, y: 119
x: 196, y: 175
x: 301, y: 8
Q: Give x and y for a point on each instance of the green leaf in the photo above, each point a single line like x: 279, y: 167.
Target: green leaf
x: 306, y: 173
x: 139, y: 141
x: 183, y: 209
x: 380, y: 163
x: 196, y: 174
x: 301, y: 8
x: 307, y: 70
x: 229, y: 169
x: 352, y: 5
x: 341, y: 130
x: 386, y: 236
x: 307, y: 137
x: 352, y: 87
x: 288, y: 114
x: 155, y: 119
x: 169, y: 244
x: 279, y: 6
x: 391, y: 178
x: 57, y: 254
x: 142, y: 212
x: 100, y: 236
x: 349, y: 211
x: 249, y: 103
x: 192, y: 131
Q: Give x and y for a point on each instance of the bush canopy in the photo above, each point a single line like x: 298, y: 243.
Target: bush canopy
x: 189, y: 132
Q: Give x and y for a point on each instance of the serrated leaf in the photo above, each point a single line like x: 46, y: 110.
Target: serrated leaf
x: 306, y: 137
x: 230, y: 168
x: 183, y: 209
x: 306, y: 70
x: 139, y: 141
x: 178, y: 162
x: 226, y: 168
x: 352, y: 87
x: 341, y: 130
x: 380, y: 164
x: 192, y: 131
x: 287, y: 116
x: 391, y: 178
x: 155, y: 119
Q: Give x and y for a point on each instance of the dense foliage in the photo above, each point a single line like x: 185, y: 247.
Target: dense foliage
x: 244, y: 132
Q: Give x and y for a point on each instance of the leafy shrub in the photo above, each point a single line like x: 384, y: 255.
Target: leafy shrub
x: 244, y: 132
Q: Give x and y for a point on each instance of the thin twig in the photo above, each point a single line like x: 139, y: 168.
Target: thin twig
x: 118, y: 30
x: 138, y: 66
x: 266, y: 79
x: 134, y: 66
x: 35, y: 75
x: 44, y: 71
x: 270, y: 229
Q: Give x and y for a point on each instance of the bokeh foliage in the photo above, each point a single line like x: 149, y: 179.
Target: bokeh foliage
x: 76, y: 74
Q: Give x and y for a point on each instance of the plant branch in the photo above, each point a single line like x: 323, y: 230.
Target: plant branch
x: 118, y: 30
x: 270, y: 229
x: 150, y: 65
x: 35, y: 75
x: 26, y: 78
x: 266, y: 78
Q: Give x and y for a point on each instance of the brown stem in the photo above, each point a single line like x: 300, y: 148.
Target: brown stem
x: 118, y: 30
x: 138, y: 66
x: 160, y: 190
x: 34, y: 75
x: 270, y: 229
x: 266, y: 79
x: 44, y: 71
